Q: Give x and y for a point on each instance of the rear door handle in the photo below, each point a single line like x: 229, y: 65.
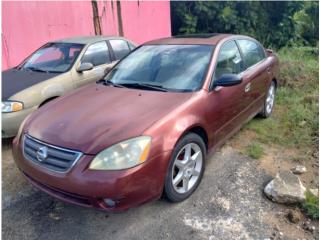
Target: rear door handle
x: 268, y: 70
x: 247, y: 88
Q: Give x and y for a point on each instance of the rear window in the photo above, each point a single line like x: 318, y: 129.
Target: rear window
x: 131, y: 46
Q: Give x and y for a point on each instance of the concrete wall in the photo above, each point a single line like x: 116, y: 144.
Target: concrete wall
x: 28, y: 25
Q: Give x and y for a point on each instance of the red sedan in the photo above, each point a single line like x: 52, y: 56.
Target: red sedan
x: 146, y: 127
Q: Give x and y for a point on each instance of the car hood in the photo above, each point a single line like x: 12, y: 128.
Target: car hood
x: 14, y: 81
x: 98, y: 116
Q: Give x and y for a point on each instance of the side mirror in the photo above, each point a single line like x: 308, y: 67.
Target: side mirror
x: 85, y: 67
x: 227, y: 80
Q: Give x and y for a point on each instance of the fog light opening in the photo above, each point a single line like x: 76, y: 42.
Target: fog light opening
x: 109, y: 202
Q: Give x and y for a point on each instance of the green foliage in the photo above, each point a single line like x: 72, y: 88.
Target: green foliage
x: 254, y: 150
x: 311, y: 205
x: 275, y: 23
x: 294, y: 122
x: 306, y: 26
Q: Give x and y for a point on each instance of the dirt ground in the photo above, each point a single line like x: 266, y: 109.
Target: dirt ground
x: 229, y: 204
x: 277, y: 158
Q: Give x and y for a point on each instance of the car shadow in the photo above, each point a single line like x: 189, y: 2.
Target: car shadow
x: 7, y: 143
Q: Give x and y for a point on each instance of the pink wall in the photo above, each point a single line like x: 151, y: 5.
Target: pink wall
x: 28, y: 25
x: 142, y: 20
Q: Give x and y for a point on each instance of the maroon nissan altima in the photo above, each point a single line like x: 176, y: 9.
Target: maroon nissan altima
x: 144, y: 129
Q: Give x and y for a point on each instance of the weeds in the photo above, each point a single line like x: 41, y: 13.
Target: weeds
x: 311, y: 205
x: 294, y: 122
x: 254, y: 150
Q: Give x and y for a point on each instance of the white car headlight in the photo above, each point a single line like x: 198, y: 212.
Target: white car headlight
x: 11, y: 106
x: 123, y: 155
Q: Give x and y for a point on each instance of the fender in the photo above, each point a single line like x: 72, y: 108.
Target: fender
x: 51, y: 91
x: 36, y: 94
x: 176, y: 128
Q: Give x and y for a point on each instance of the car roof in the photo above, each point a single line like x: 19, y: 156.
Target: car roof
x: 205, y: 39
x: 88, y: 39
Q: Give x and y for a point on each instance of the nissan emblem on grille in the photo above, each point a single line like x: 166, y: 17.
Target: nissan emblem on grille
x: 42, y: 154
x: 51, y: 157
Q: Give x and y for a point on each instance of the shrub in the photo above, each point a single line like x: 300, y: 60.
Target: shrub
x: 311, y: 205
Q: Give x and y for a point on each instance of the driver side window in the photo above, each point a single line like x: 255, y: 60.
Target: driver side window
x: 229, y: 60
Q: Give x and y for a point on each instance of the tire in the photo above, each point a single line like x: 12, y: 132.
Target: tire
x: 180, y: 167
x: 269, y: 101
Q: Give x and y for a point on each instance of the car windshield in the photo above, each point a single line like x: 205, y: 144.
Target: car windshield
x: 179, y: 68
x: 53, y: 57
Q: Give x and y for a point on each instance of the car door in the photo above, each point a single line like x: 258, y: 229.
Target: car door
x: 225, y: 104
x: 98, y: 54
x: 256, y: 75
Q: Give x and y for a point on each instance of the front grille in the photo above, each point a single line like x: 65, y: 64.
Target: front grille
x: 51, y: 157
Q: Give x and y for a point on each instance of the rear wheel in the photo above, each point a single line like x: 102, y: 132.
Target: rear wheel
x: 269, y: 102
x: 186, y: 168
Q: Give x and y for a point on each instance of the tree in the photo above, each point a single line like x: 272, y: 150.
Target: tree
x: 274, y: 23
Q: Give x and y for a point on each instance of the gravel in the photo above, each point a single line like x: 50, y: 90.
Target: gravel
x: 229, y: 204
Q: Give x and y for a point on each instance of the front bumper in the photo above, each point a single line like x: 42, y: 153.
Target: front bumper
x: 107, y: 190
x: 11, y: 121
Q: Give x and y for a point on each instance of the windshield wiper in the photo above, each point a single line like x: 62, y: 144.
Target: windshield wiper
x: 145, y: 86
x: 36, y: 69
x: 108, y: 82
x: 51, y: 71
x: 134, y: 85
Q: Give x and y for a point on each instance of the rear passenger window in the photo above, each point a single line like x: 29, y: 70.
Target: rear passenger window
x: 229, y: 60
x: 97, y: 54
x: 252, y: 52
x: 120, y: 48
x: 131, y: 46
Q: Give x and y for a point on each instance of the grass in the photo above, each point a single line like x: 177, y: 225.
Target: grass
x: 254, y: 150
x: 294, y: 122
x: 311, y: 205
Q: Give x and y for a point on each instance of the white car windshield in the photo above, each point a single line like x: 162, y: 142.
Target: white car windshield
x: 53, y: 57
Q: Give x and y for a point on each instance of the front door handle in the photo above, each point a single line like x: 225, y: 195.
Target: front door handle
x: 247, y: 87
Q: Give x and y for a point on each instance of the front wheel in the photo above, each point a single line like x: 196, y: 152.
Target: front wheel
x: 186, y: 168
x: 269, y: 102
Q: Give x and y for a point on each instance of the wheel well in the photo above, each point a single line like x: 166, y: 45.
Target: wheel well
x: 201, y: 132
x: 47, y: 100
x: 275, y: 82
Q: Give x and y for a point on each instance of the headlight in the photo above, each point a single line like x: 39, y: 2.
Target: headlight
x: 11, y: 106
x: 123, y: 155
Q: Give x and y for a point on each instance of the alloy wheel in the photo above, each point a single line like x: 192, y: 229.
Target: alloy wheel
x: 270, y: 99
x: 187, y: 168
